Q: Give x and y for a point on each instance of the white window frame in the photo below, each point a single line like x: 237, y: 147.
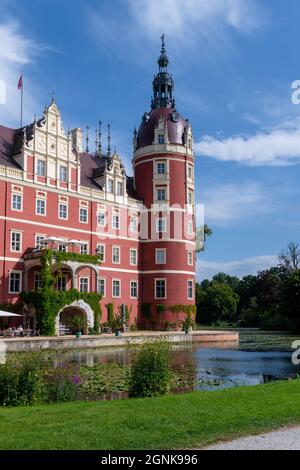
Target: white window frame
x: 190, y: 258
x: 190, y: 197
x: 114, y: 218
x: 103, y: 246
x: 190, y: 228
x: 137, y: 289
x: 59, y: 286
x: 104, y: 285
x: 163, y: 220
x: 161, y: 189
x: 166, y: 284
x: 110, y: 186
x: 112, y: 288
x: 112, y: 254
x: 87, y: 215
x: 87, y: 248
x: 39, y: 199
x: 164, y: 250
x: 59, y: 212
x: 161, y: 139
x: 35, y: 239
x: 36, y: 274
x: 39, y: 160
x: 17, y: 232
x: 136, y: 256
x: 15, y: 271
x: 104, y: 218
x: 165, y: 166
x: 188, y: 288
x: 133, y: 227
x: 12, y: 202
x: 63, y: 167
x: 84, y: 278
x: 120, y: 188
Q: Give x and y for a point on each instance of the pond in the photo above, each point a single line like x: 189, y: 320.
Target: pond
x: 259, y: 358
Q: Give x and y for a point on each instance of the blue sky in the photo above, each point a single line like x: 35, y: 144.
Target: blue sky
x: 233, y: 63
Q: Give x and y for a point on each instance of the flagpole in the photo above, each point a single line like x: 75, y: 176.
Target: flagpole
x: 22, y: 104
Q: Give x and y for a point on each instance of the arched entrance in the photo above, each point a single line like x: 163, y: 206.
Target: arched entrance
x: 80, y: 309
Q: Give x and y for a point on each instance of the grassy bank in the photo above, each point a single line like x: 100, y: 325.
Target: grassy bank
x: 177, y: 421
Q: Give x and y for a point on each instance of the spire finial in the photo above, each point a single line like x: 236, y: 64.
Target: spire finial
x: 163, y: 60
x: 87, y: 139
x: 99, y: 143
x: 96, y: 142
x: 108, y: 141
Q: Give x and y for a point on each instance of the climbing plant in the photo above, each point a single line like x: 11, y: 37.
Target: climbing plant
x: 48, y: 302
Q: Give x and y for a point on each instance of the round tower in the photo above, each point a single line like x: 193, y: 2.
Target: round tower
x: 163, y: 163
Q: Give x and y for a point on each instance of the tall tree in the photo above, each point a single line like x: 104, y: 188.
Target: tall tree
x: 289, y: 258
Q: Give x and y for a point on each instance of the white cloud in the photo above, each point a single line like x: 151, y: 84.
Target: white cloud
x: 225, y: 203
x: 278, y: 147
x: 174, y: 17
x: 240, y: 268
x: 16, y: 51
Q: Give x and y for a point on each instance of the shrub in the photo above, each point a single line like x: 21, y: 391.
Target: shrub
x: 60, y: 384
x: 151, y: 371
x: 20, y: 381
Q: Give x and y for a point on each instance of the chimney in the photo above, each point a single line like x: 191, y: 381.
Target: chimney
x: 77, y: 139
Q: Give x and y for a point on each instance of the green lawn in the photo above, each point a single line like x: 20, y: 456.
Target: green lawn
x: 171, y: 422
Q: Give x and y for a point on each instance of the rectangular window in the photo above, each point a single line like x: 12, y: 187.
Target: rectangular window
x: 100, y: 250
x: 101, y: 219
x: 161, y: 225
x: 190, y: 293
x: 190, y: 197
x: 101, y: 287
x: 41, y: 207
x: 63, y: 173
x: 37, y: 280
x: 40, y: 168
x: 161, y: 194
x: 62, y: 248
x: 84, y: 248
x: 83, y: 215
x: 39, y: 241
x: 16, y: 203
x: 190, y: 172
x: 190, y: 258
x: 133, y: 289
x: 116, y: 254
x: 15, y: 286
x: 116, y: 221
x: 119, y: 188
x: 160, y: 255
x: 161, y: 168
x: 62, y: 283
x: 15, y: 241
x: 63, y: 211
x: 160, y: 288
x: 190, y: 228
x: 84, y: 284
x: 116, y: 288
x: 161, y: 139
x: 133, y: 256
x: 110, y: 186
x: 133, y: 224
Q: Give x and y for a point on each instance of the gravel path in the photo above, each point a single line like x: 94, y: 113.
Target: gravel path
x: 286, y: 439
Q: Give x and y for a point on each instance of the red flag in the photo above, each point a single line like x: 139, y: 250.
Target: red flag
x: 20, y: 83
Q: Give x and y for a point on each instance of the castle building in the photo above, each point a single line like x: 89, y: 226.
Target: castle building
x: 56, y: 193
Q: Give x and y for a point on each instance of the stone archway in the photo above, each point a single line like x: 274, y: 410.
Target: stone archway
x: 78, y: 306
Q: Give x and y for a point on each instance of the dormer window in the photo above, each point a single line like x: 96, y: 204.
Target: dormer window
x: 63, y: 173
x: 161, y: 138
x: 119, y: 188
x: 40, y: 168
x: 110, y: 186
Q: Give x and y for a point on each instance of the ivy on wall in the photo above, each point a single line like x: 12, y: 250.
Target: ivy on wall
x: 48, y: 302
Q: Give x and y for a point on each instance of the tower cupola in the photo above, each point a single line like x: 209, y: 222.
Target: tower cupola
x: 163, y: 85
